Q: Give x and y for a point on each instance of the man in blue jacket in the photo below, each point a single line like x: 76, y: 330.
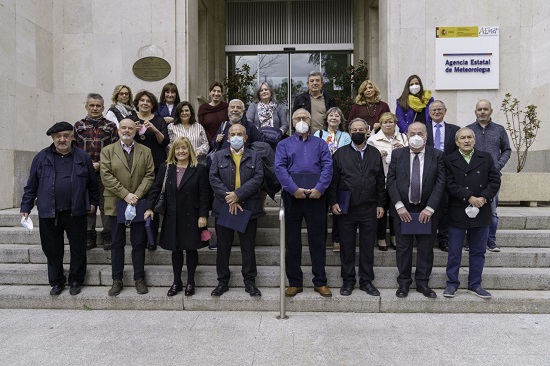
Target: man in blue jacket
x: 63, y: 181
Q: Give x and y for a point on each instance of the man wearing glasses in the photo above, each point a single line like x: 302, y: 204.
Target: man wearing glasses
x: 303, y: 165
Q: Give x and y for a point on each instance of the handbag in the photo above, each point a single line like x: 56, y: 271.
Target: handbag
x: 160, y: 205
x: 272, y: 135
x: 210, y: 155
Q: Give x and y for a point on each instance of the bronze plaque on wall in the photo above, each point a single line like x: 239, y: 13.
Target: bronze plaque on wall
x: 151, y: 68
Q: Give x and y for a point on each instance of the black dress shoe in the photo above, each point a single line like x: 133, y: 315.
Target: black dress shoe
x: 152, y: 248
x: 219, y: 290
x: 402, y: 291
x: 75, y: 288
x: 252, y: 290
x: 382, y: 248
x: 57, y: 290
x: 174, y: 289
x: 426, y: 291
x: 369, y: 288
x: 346, y: 289
x: 444, y: 246
x: 190, y: 289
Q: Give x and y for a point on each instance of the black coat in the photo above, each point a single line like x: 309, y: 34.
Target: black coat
x: 479, y: 178
x: 399, y: 179
x: 185, y: 204
x: 363, y: 178
x: 450, y: 132
x: 304, y: 101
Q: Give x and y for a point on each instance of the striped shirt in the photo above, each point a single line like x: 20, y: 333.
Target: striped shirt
x: 195, y: 134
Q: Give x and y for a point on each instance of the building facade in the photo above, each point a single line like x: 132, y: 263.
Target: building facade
x: 55, y: 52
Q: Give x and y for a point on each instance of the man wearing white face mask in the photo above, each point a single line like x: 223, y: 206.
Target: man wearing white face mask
x: 415, y: 184
x: 472, y: 182
x: 236, y: 176
x: 236, y: 116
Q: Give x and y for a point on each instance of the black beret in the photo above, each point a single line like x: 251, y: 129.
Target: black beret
x: 60, y: 126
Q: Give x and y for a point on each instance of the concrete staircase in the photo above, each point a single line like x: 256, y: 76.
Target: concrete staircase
x: 518, y: 277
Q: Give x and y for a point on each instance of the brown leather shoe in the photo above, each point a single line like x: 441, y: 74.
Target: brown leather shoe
x: 116, y: 288
x: 141, y: 287
x: 292, y: 291
x: 323, y: 291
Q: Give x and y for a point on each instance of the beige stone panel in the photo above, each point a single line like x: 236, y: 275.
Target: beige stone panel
x: 540, y: 60
x: 44, y: 59
x: 525, y: 55
x: 7, y: 112
x: 25, y: 121
x: 25, y: 51
x: 107, y: 59
x: 131, y: 43
x: 8, y: 5
x: 6, y: 180
x: 44, y: 116
x: 137, y: 17
x: 510, y: 58
x: 413, y: 14
x: 526, y: 18
x: 78, y: 62
x: 410, y: 51
x: 540, y: 97
x: 445, y: 13
x: 541, y: 11
x: 7, y: 42
x: 107, y: 17
x: 167, y: 41
x: 58, y: 63
x: 77, y: 16
x: 26, y: 9
x: 44, y: 11
x: 70, y: 106
x: 58, y: 18
x: 163, y: 16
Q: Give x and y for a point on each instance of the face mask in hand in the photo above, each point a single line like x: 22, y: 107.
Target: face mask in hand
x: 471, y: 211
x: 416, y: 142
x: 236, y: 142
x: 302, y: 127
x: 414, y: 89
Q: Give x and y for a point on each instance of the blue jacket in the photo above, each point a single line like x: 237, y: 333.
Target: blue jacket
x: 85, y: 190
x: 405, y: 118
x: 222, y: 179
x: 163, y: 110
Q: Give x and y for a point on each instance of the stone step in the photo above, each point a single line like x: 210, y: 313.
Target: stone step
x: 96, y: 298
x: 270, y: 237
x: 511, y: 218
x: 269, y: 276
x: 269, y: 256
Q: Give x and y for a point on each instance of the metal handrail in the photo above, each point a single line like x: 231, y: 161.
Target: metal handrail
x: 282, y: 315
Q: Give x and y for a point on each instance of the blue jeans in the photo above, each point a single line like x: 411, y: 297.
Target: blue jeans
x: 477, y: 237
x: 494, y: 220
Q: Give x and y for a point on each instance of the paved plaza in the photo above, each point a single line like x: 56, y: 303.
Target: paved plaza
x: 80, y: 337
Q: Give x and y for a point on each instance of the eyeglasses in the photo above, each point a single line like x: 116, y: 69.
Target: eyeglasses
x: 437, y: 110
x: 298, y: 119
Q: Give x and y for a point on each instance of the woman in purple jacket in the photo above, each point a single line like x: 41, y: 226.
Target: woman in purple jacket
x: 414, y: 104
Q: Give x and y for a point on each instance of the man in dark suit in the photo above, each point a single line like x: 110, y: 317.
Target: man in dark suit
x: 472, y: 182
x: 416, y: 183
x: 441, y: 136
x: 358, y: 169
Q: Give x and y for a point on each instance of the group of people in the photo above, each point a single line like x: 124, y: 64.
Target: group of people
x: 412, y: 164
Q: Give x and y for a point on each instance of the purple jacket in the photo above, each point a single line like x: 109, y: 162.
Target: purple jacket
x: 404, y: 119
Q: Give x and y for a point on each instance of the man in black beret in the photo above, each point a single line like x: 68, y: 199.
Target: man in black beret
x: 62, y: 177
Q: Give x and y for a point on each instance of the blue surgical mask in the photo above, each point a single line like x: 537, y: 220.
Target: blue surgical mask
x: 236, y: 142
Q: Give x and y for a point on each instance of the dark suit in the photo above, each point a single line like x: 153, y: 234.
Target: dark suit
x: 449, y: 146
x: 433, y: 187
x: 479, y: 178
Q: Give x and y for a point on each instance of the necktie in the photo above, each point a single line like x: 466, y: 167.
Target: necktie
x: 437, y: 140
x: 415, y: 180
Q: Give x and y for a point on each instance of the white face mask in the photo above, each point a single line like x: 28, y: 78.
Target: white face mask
x: 302, y: 127
x: 471, y: 211
x: 413, y: 89
x: 416, y: 142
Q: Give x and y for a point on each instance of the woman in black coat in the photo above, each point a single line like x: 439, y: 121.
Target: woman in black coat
x: 187, y: 198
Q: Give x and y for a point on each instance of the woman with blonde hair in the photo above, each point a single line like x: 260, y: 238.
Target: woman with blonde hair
x: 187, y: 203
x: 368, y: 105
x: 121, y: 104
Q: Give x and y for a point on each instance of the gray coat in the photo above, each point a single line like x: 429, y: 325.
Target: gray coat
x: 279, y: 117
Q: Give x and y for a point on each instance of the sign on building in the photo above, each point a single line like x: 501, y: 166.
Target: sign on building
x: 466, y: 58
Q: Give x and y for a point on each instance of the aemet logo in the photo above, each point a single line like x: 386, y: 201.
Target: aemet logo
x: 488, y: 31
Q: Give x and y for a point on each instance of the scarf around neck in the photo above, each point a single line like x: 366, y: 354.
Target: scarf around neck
x: 124, y: 109
x: 418, y: 104
x: 265, y: 114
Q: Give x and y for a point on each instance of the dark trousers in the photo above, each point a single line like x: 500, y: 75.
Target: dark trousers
x: 335, y: 234
x: 404, y: 255
x: 192, y: 262
x: 477, y: 237
x: 137, y: 239
x: 383, y: 222
x: 92, y: 218
x: 443, y: 226
x: 51, y: 237
x: 315, y: 214
x: 364, y: 218
x: 248, y: 245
